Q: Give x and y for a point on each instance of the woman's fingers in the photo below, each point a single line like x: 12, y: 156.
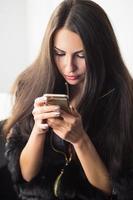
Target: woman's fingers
x: 43, y: 126
x: 48, y: 115
x: 45, y: 109
x: 42, y: 111
x: 74, y: 111
x: 55, y: 122
x: 40, y: 127
x: 40, y: 101
x: 70, y: 117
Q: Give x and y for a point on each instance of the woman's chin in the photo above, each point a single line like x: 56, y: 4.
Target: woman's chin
x: 70, y: 82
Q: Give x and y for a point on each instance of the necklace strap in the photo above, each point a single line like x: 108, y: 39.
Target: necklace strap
x: 68, y: 158
x: 67, y: 161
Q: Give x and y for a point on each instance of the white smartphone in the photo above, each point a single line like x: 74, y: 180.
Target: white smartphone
x: 58, y: 99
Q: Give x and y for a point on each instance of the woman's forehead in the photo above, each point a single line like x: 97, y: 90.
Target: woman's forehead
x: 67, y: 40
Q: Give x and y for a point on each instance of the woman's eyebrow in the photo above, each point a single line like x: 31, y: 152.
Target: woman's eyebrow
x: 79, y: 51
x: 59, y: 49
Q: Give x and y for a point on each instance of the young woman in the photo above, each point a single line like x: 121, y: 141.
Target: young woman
x: 86, y: 153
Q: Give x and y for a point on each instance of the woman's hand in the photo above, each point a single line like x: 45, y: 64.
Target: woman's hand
x: 42, y: 112
x: 30, y: 165
x: 68, y: 126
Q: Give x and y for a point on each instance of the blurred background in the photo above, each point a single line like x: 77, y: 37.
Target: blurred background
x: 22, y: 26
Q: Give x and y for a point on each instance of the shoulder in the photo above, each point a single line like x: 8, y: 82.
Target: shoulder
x: 15, y: 139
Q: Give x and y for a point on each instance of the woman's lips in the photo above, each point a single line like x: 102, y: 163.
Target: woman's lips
x: 72, y: 77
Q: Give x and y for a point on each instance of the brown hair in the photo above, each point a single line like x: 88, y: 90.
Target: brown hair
x: 106, y: 70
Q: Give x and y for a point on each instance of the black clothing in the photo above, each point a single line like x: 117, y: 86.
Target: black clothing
x: 74, y: 184
x: 7, y: 191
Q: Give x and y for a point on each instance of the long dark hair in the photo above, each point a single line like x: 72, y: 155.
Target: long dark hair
x: 107, y: 95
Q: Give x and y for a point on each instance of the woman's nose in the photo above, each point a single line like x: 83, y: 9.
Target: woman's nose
x: 69, y: 64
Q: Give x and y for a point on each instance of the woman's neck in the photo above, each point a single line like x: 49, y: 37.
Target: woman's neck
x: 75, y: 95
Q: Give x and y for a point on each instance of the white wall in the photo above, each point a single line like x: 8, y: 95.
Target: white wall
x: 39, y: 12
x: 22, y: 24
x: 13, y: 40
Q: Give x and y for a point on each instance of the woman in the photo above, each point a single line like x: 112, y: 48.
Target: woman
x: 85, y: 153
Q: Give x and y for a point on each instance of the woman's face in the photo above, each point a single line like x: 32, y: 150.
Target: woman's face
x: 69, y: 56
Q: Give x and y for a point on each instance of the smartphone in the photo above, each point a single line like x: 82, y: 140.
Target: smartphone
x: 58, y: 99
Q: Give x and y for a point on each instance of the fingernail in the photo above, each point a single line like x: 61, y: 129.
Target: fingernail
x: 57, y: 114
x: 45, y: 126
x: 57, y: 108
x: 71, y: 107
x: 45, y: 99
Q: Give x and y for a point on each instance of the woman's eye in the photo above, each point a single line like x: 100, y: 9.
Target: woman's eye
x: 58, y: 53
x: 81, y: 55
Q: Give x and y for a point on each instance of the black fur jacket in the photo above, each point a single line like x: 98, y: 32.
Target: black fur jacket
x: 73, y: 186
